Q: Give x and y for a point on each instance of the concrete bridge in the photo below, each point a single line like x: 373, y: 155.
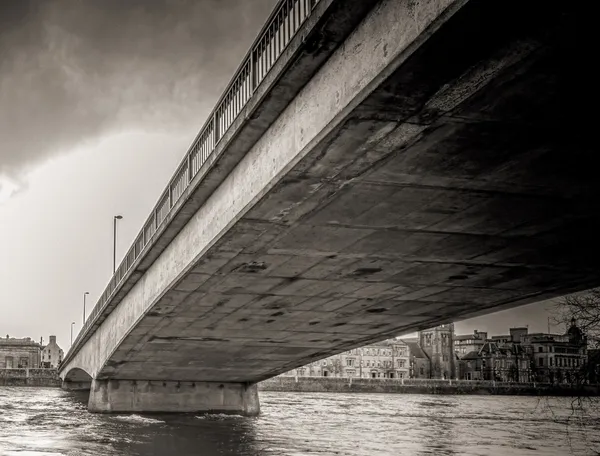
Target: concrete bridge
x: 374, y: 168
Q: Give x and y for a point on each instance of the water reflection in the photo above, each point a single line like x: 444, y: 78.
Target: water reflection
x: 40, y: 422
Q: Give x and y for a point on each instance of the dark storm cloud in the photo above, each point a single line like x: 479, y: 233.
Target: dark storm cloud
x: 71, y: 70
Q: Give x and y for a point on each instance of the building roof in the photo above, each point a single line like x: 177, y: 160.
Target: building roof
x: 13, y: 342
x: 473, y: 354
x: 469, y: 337
x: 416, y: 350
x: 407, y: 340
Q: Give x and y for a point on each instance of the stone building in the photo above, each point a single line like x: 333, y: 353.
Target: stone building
x: 523, y: 357
x: 498, y: 361
x: 438, y: 345
x: 52, y: 354
x: 420, y: 364
x: 557, y: 357
x: 387, y: 359
x: 467, y: 343
x: 19, y: 353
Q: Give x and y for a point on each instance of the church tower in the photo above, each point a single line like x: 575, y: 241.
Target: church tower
x: 438, y: 344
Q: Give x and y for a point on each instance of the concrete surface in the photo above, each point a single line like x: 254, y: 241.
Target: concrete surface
x: 432, y: 169
x: 114, y: 396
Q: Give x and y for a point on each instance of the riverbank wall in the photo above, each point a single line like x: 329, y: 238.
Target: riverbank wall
x: 422, y: 386
x: 30, y: 377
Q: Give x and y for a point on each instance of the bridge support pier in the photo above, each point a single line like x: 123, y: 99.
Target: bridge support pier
x: 128, y: 396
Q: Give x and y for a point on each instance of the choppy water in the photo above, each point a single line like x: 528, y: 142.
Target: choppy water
x: 51, y: 422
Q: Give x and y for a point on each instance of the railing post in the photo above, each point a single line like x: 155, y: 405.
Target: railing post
x: 252, y: 70
x: 216, y: 126
x: 189, y: 166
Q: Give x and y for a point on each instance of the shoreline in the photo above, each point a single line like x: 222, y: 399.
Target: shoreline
x: 422, y: 386
x: 48, y: 378
x: 41, y: 378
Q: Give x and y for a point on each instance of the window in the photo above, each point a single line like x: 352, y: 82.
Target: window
x: 24, y: 363
x: 401, y: 362
x: 350, y: 362
x: 422, y: 370
x: 368, y: 363
x: 540, y: 361
x: 551, y: 361
x: 9, y: 362
x: 541, y: 349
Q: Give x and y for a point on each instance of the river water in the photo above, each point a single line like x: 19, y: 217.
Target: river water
x: 52, y: 422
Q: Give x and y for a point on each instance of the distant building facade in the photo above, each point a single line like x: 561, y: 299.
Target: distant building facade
x: 420, y: 364
x: 19, y: 353
x: 468, y: 343
x: 438, y: 345
x: 557, y: 358
x: 496, y: 360
x: 52, y: 354
x: 523, y: 357
x: 387, y: 359
x: 438, y: 353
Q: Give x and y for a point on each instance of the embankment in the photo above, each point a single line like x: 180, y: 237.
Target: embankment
x: 30, y: 377
x: 421, y: 386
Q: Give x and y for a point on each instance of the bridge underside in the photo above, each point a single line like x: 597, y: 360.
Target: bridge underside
x: 463, y: 184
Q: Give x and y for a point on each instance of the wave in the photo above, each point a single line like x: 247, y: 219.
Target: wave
x: 218, y: 416
x: 138, y: 419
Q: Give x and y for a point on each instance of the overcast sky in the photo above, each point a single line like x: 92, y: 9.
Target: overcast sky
x: 99, y: 101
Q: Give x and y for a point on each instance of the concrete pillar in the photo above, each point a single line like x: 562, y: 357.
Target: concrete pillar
x: 123, y: 396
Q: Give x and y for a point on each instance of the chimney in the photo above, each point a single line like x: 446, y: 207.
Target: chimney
x: 52, y: 339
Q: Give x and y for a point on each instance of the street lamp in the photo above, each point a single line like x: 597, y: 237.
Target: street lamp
x: 72, y: 323
x: 84, y: 295
x: 115, y: 218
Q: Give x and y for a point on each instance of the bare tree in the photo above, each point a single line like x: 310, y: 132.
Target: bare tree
x: 337, y: 368
x: 585, y: 309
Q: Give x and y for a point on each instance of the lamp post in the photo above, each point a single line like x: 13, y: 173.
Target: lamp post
x: 84, y: 295
x: 115, y: 218
x: 72, y: 323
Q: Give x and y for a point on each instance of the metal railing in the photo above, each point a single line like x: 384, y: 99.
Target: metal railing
x: 286, y: 20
